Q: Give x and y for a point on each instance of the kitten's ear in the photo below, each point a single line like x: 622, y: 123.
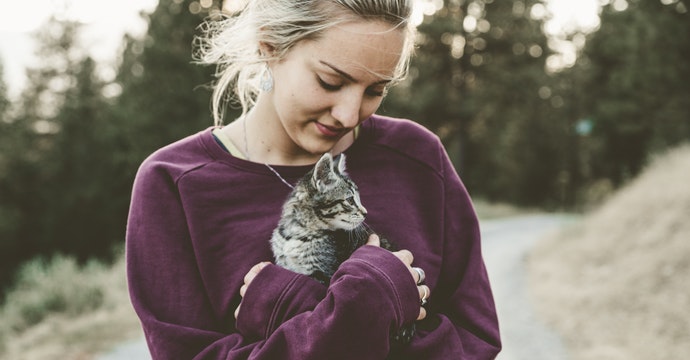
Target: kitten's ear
x: 322, y: 171
x: 341, y: 164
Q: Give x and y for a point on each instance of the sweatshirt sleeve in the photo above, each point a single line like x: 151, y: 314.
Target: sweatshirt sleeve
x: 369, y: 295
x: 163, y: 279
x: 461, y: 321
x: 283, y: 315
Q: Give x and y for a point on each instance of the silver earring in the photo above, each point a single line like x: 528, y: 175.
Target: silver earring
x: 266, y: 83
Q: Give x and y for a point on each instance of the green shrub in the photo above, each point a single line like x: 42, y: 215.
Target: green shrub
x: 54, y: 286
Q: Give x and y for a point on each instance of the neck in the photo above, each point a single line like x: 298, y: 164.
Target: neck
x: 264, y: 144
x: 266, y: 140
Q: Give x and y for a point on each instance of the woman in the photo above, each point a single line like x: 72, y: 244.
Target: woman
x: 309, y: 76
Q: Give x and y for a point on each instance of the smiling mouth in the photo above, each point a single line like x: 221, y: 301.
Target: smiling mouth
x: 330, y: 131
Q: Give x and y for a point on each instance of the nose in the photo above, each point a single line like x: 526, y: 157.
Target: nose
x: 347, y: 109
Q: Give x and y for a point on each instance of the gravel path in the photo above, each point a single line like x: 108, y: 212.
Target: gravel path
x: 132, y: 350
x: 505, y: 245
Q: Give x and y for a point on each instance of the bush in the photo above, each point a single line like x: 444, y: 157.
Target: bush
x: 60, y: 309
x: 54, y: 286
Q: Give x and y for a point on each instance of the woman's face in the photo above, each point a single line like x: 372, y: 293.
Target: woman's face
x: 326, y: 87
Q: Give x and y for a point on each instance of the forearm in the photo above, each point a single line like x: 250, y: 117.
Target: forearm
x: 369, y: 295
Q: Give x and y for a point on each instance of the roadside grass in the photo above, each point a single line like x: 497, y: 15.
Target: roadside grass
x: 60, y: 310
x: 615, y: 285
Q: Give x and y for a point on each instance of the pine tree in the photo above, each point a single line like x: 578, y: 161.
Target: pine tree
x: 634, y: 87
x: 165, y: 95
x: 476, y: 81
x: 28, y: 187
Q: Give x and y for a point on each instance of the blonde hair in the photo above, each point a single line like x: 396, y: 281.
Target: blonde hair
x: 232, y: 43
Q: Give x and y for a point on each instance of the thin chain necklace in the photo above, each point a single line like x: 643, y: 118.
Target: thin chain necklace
x: 246, y: 154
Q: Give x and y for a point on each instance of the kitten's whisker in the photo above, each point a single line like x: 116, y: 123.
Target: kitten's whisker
x: 366, y: 227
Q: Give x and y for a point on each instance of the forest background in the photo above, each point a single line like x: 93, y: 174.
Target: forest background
x: 519, y: 129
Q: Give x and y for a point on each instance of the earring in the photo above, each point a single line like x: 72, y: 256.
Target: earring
x: 266, y: 83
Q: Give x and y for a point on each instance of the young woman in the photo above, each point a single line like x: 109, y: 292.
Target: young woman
x: 309, y: 75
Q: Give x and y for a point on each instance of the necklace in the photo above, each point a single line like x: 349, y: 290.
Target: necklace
x: 246, y: 154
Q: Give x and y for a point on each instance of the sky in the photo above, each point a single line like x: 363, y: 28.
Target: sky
x: 106, y: 21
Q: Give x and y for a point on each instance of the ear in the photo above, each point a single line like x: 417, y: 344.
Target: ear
x: 266, y: 50
x: 341, y: 164
x: 322, y: 171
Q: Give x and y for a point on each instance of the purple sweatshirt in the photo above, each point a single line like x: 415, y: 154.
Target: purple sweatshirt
x: 201, y: 218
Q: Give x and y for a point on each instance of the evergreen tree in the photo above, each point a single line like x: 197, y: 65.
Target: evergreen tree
x: 30, y: 138
x: 72, y: 152
x: 81, y: 195
x: 164, y: 96
x: 7, y: 148
x: 4, y: 99
x: 634, y: 87
x: 476, y: 81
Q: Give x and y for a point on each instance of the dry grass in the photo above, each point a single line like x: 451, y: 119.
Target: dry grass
x: 60, y: 310
x: 616, y: 284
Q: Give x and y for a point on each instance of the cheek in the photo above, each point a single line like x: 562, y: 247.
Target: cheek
x: 369, y: 107
x: 301, y: 97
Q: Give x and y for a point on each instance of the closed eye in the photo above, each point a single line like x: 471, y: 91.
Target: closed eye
x: 328, y: 86
x: 376, y: 92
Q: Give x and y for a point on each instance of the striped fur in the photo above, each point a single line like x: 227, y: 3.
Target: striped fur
x: 322, y: 221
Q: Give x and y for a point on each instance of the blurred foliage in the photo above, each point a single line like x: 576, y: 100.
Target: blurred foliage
x: 632, y: 83
x: 477, y: 84
x: 55, y: 286
x: 518, y: 133
x: 71, y: 146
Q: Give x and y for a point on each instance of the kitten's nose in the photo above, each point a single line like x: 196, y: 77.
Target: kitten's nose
x: 363, y: 209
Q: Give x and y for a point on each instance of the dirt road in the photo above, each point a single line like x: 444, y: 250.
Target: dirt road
x: 505, y: 245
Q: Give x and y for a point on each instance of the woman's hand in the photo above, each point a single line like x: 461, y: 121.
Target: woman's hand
x: 251, y: 274
x: 406, y: 257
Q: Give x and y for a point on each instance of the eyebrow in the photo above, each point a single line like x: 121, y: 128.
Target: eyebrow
x: 346, y: 75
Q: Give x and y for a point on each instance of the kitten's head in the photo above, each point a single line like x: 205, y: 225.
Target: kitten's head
x: 333, y: 195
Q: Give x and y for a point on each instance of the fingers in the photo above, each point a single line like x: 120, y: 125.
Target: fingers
x: 405, y: 256
x: 418, y: 274
x: 251, y: 274
x: 424, y: 293
x: 248, y: 278
x: 422, y: 313
x: 419, y: 277
x: 374, y: 240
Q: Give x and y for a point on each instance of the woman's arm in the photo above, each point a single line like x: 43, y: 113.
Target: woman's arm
x: 370, y: 294
x: 461, y: 321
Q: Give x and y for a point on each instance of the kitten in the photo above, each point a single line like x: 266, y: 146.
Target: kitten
x: 322, y: 224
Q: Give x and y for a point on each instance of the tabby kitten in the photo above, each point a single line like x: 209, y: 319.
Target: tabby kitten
x: 322, y: 224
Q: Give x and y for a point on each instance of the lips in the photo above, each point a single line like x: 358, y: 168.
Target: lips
x: 329, y: 131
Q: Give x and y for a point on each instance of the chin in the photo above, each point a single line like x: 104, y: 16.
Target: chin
x: 319, y: 148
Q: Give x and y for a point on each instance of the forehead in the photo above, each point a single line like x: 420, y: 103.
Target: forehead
x: 363, y: 49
